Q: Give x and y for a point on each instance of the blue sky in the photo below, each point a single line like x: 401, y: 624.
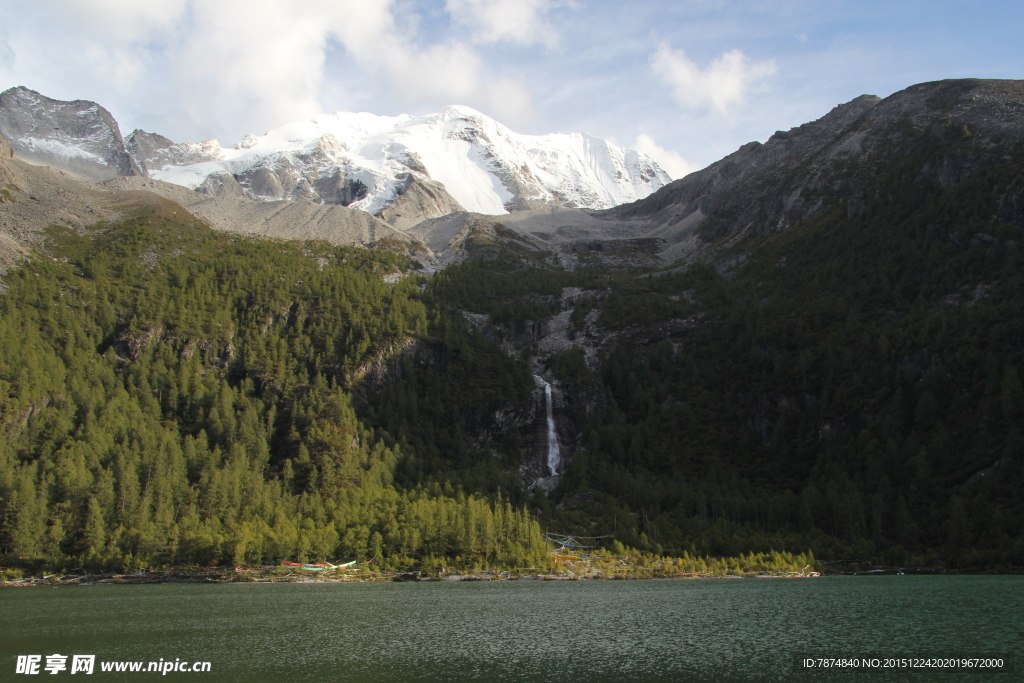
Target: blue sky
x: 687, y: 81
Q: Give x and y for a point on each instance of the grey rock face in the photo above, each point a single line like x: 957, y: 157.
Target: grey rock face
x: 265, y: 184
x: 337, y: 188
x: 303, y: 190
x: 153, y: 152
x: 79, y: 137
x: 146, y: 148
x: 418, y: 201
x: 221, y: 184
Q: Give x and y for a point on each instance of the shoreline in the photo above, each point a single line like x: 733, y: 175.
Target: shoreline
x: 243, y: 576
x: 570, y: 571
x: 250, y: 577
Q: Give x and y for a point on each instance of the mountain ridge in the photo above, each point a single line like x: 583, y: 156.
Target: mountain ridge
x: 363, y: 160
x: 762, y: 189
x: 765, y: 188
x: 352, y: 159
x: 756, y: 191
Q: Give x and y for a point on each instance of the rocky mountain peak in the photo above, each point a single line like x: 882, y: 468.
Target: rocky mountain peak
x: 145, y: 148
x: 79, y: 136
x: 153, y: 152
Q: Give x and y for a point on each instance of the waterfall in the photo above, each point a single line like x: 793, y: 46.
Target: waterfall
x: 554, y: 457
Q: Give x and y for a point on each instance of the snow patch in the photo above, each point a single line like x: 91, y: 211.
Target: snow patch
x: 59, y: 149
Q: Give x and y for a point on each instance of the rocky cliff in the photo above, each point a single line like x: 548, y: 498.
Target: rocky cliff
x: 79, y: 137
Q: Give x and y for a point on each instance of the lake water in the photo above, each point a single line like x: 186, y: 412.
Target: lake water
x: 703, y: 630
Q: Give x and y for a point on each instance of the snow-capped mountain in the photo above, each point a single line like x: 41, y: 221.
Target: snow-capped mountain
x: 455, y: 159
x: 365, y: 161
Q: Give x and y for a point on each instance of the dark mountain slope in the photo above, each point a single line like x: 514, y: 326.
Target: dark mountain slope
x: 851, y: 385
x: 857, y: 382
x: 761, y: 189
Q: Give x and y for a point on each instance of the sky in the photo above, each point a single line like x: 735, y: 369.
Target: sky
x: 685, y: 81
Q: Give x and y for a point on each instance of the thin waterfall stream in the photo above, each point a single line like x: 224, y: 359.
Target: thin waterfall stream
x: 554, y: 455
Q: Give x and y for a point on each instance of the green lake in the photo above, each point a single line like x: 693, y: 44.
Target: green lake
x: 697, y: 630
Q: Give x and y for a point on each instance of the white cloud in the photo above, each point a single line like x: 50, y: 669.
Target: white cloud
x: 124, y: 19
x: 7, y: 57
x: 514, y: 21
x: 671, y: 162
x: 723, y: 85
x: 248, y: 64
x: 510, y: 101
x: 450, y: 72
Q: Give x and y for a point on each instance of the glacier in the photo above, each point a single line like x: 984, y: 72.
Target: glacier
x: 365, y: 161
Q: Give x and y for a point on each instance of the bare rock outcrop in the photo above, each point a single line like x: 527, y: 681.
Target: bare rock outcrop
x: 296, y: 219
x: 79, y: 137
x: 419, y: 200
x: 152, y: 151
x: 223, y: 205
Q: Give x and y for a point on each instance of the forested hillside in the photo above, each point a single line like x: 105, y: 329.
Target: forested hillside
x: 851, y: 385
x: 174, y: 395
